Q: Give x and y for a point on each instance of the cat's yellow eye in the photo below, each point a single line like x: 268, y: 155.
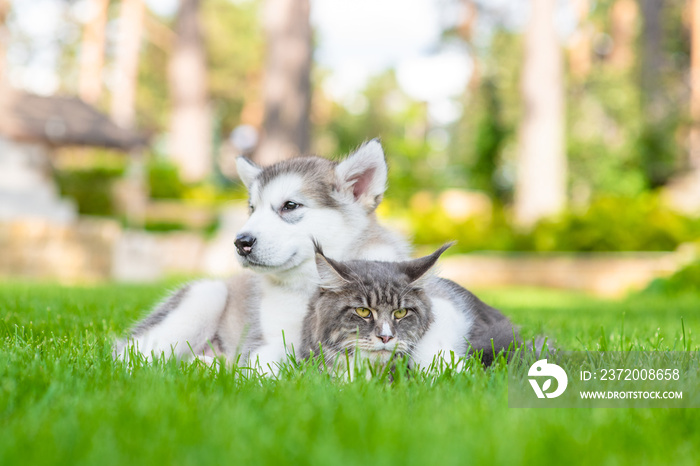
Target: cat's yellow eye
x: 400, y: 313
x: 363, y: 312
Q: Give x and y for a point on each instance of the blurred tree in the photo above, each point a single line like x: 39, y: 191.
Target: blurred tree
x: 133, y: 190
x: 287, y: 86
x: 234, y: 49
x: 92, y: 52
x: 4, y: 36
x: 190, y: 128
x: 489, y: 139
x: 683, y: 191
x: 127, y: 62
x: 152, y: 99
x: 541, y: 181
x: 657, y: 149
x: 480, y: 141
x: 580, y: 52
x: 694, y: 152
x: 233, y: 29
x: 388, y: 113
x: 623, y: 22
x: 652, y: 62
x: 466, y: 30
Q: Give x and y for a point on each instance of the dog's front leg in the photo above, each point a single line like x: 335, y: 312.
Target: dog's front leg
x: 181, y: 326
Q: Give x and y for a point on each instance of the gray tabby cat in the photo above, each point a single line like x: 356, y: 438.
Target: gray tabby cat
x: 375, y: 309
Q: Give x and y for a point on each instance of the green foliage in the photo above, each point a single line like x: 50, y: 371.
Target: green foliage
x: 686, y: 280
x: 90, y: 188
x: 164, y: 180
x: 604, y: 121
x: 434, y: 226
x: 484, y: 139
x: 152, y: 93
x: 60, y: 390
x: 234, y: 48
x: 608, y: 224
x: 399, y: 122
x: 235, y: 54
x: 617, y: 224
x: 154, y: 226
x: 658, y: 151
x: 489, y: 141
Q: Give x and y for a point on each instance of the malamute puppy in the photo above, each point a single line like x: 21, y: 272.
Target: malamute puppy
x: 259, y: 314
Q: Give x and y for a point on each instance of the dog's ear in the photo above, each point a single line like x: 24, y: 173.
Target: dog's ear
x: 331, y: 273
x: 417, y: 269
x: 363, y: 174
x: 247, y: 170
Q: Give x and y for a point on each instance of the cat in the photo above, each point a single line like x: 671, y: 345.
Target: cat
x: 379, y: 310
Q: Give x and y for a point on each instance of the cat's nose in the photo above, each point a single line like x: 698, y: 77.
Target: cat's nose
x: 244, y: 244
x: 384, y: 333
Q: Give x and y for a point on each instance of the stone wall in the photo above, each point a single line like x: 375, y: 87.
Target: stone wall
x: 42, y: 250
x: 95, y: 249
x: 604, y: 274
x: 98, y: 249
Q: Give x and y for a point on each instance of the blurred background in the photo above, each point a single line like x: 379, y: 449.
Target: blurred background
x: 557, y: 140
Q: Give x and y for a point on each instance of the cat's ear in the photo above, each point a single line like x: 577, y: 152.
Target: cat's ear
x: 329, y: 271
x: 417, y: 269
x: 247, y: 170
x: 363, y: 175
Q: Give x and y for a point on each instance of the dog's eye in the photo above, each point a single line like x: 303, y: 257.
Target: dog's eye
x: 251, y: 209
x: 289, y: 205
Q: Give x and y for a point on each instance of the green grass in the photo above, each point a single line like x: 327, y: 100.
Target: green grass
x: 64, y: 401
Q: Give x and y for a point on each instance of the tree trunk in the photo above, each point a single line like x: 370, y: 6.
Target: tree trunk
x: 580, y: 48
x: 127, y: 62
x: 4, y: 39
x: 287, y: 87
x: 92, y: 53
x: 190, y: 127
x: 123, y: 110
x: 467, y: 30
x: 540, y: 188
x: 623, y: 19
x: 694, y: 153
x: 652, y: 60
x: 683, y: 191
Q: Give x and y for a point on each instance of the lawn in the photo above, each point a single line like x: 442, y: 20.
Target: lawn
x: 64, y: 401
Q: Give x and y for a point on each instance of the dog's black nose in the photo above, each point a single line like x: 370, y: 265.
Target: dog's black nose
x: 244, y: 244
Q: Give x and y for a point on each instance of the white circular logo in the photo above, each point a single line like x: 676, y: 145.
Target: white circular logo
x: 543, y: 369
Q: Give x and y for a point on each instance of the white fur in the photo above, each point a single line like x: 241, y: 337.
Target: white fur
x: 445, y: 335
x: 281, y: 317
x: 283, y: 247
x: 247, y: 171
x: 284, y: 256
x: 369, y: 158
x: 386, y: 330
x: 379, y: 252
x: 203, y: 303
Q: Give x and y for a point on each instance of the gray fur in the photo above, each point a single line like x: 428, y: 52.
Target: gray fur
x: 318, y: 173
x: 332, y: 323
x: 239, y: 328
x: 161, y: 312
x: 488, y: 324
x: 321, y: 183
